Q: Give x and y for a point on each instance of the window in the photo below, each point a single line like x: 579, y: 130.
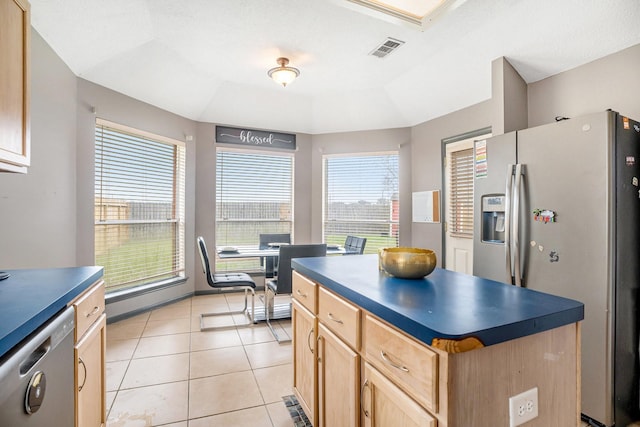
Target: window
x: 461, y: 194
x: 361, y: 198
x: 139, y: 207
x: 254, y: 195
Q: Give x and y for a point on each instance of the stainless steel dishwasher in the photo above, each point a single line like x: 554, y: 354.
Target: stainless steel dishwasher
x: 36, y: 377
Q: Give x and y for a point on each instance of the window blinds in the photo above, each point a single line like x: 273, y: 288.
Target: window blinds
x: 254, y: 195
x: 461, y: 194
x: 139, y: 207
x: 361, y: 199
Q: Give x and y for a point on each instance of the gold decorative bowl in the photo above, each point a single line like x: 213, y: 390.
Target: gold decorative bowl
x: 407, y: 263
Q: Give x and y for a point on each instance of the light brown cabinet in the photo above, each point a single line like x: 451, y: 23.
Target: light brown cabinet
x: 90, y: 350
x: 338, y: 380
x: 326, y: 365
x: 90, y: 378
x: 384, y: 404
x: 15, y: 29
x: 304, y: 366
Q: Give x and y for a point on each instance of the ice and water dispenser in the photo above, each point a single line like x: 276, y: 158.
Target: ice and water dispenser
x: 493, y: 218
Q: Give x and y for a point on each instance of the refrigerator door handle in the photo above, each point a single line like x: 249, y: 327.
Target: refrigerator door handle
x: 507, y: 222
x: 516, y: 226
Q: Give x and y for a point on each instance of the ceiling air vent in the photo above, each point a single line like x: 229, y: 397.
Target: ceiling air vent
x: 388, y: 46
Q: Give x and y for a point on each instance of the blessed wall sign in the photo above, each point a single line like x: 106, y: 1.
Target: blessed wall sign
x: 253, y: 137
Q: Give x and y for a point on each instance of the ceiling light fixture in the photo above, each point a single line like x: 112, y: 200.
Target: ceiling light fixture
x: 283, y: 75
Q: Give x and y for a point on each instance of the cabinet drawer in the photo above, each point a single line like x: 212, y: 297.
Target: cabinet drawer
x: 304, y: 291
x: 88, y: 307
x: 340, y: 316
x: 413, y: 366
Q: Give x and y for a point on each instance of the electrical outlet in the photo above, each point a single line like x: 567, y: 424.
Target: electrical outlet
x: 523, y: 407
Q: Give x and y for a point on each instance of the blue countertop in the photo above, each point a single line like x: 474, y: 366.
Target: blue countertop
x: 28, y: 298
x: 444, y: 304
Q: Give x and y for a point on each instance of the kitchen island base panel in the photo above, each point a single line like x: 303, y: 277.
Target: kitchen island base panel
x: 480, y: 382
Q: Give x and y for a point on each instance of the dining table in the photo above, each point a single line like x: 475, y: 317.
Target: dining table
x: 227, y: 252
x: 279, y: 311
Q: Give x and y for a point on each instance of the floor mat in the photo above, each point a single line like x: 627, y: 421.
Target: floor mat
x: 295, y: 410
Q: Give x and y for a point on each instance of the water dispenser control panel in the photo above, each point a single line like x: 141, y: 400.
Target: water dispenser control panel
x: 493, y: 207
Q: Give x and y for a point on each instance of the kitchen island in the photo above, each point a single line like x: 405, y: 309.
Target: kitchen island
x: 389, y: 334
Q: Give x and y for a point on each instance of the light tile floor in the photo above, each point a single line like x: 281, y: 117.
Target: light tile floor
x: 162, y: 371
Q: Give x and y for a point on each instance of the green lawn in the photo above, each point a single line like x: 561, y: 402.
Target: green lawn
x: 125, y: 264
x: 373, y: 242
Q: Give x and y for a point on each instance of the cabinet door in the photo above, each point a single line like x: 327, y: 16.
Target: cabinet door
x: 90, y: 376
x: 384, y: 404
x: 304, y: 360
x: 338, y: 381
x: 15, y: 28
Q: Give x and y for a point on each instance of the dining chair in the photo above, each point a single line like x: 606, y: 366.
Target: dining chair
x: 354, y: 245
x: 226, y: 281
x: 283, y: 283
x: 271, y: 263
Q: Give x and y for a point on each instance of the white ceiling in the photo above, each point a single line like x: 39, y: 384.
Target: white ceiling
x: 207, y: 60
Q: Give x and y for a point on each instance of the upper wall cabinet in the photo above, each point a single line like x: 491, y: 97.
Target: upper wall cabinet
x: 15, y: 28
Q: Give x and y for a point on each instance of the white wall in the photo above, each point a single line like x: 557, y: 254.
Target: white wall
x: 115, y: 107
x: 610, y: 82
x: 47, y: 214
x: 363, y: 142
x: 504, y: 112
x: 38, y: 209
x: 205, y: 192
x: 508, y: 98
x: 426, y: 164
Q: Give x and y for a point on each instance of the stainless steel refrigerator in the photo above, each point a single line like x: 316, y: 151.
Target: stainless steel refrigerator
x: 557, y: 209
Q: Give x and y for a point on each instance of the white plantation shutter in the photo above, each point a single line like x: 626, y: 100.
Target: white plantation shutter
x: 254, y: 195
x: 361, y: 199
x: 139, y: 206
x: 461, y: 194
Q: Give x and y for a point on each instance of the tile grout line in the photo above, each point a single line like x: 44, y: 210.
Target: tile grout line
x: 242, y: 342
x: 244, y: 348
x: 189, y: 367
x: 117, y: 391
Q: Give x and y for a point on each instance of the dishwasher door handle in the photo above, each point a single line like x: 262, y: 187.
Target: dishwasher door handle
x: 35, y: 356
